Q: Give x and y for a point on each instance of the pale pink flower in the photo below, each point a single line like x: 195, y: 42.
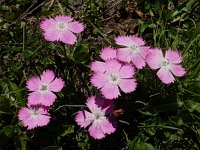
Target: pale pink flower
x: 43, y: 87
x: 34, y: 116
x: 133, y: 51
x: 61, y: 28
x: 168, y: 65
x: 114, y: 76
x: 99, y: 118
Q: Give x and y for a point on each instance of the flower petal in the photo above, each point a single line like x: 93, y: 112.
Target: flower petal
x: 173, y: 56
x: 62, y: 18
x: 68, y: 37
x: 47, y: 76
x: 144, y: 51
x: 108, y: 53
x: 92, y: 103
x: 56, y: 85
x: 45, y: 99
x: 75, y: 27
x: 138, y: 61
x: 128, y: 85
x: 137, y: 40
x: 43, y: 119
x: 48, y: 98
x: 178, y: 70
x: 154, y: 58
x: 112, y: 66
x: 99, y: 80
x: 107, y: 126
x: 97, y: 66
x: 34, y: 98
x: 33, y: 83
x: 47, y: 24
x: 95, y: 130
x: 83, y: 118
x: 129, y: 40
x: 24, y: 113
x: 126, y: 71
x: 124, y: 54
x: 110, y: 91
x: 52, y: 35
x: 165, y: 75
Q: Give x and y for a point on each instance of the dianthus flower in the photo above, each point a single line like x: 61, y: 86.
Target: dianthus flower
x: 168, y: 65
x: 99, y: 118
x: 43, y: 87
x: 113, y: 76
x: 34, y: 116
x: 133, y: 51
x: 61, y: 28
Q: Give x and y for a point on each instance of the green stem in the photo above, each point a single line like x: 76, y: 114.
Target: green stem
x: 70, y: 106
x: 4, y: 94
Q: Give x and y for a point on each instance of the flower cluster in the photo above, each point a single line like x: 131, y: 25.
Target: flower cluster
x: 115, y: 73
x: 117, y: 69
x: 40, y: 99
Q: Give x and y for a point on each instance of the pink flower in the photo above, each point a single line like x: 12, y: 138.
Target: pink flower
x: 33, y: 117
x: 99, y: 119
x: 169, y: 64
x: 134, y: 50
x: 113, y: 76
x: 61, y: 28
x: 43, y: 88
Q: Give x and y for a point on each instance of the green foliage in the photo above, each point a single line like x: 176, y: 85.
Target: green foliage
x: 157, y: 116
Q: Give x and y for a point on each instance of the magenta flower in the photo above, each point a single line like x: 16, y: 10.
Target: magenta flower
x: 133, y: 51
x: 115, y: 75
x: 61, y: 28
x: 33, y: 117
x: 43, y: 87
x: 169, y: 64
x: 99, y: 119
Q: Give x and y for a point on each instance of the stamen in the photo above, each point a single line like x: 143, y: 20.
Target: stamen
x: 61, y: 25
x: 44, y: 88
x: 98, y: 115
x: 34, y: 113
x: 134, y: 48
x: 165, y: 62
x: 114, y: 78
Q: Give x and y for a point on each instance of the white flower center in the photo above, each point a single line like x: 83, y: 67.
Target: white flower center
x: 44, y: 88
x: 134, y: 48
x: 35, y: 113
x: 98, y: 116
x: 114, y: 78
x: 61, y: 26
x: 165, y: 63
